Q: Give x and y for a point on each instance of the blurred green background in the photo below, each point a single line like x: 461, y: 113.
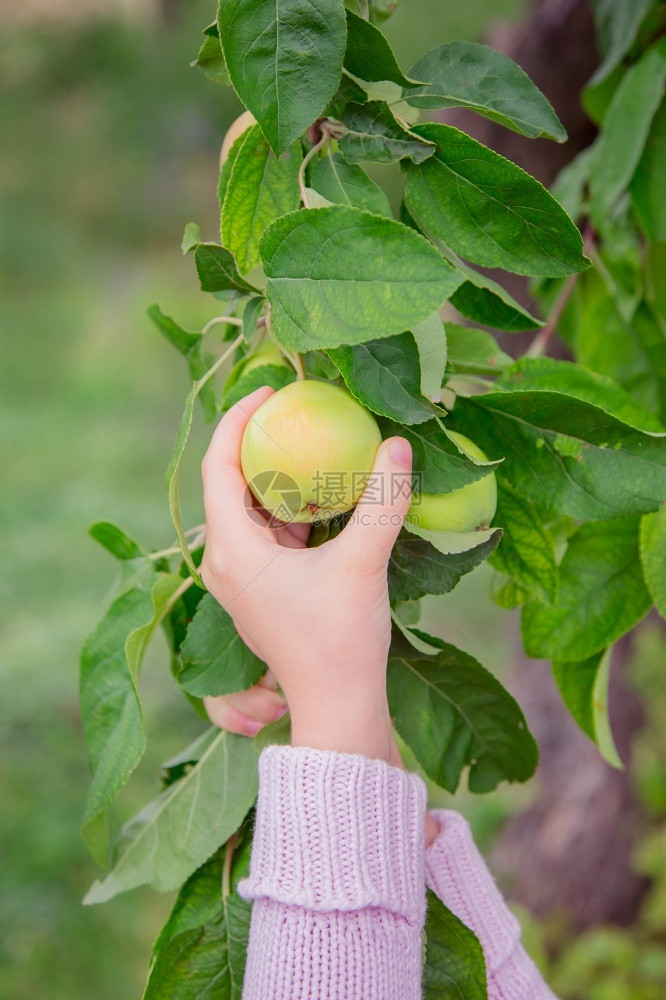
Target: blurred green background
x: 108, y: 146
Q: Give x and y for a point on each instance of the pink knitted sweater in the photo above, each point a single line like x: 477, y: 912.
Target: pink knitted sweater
x: 338, y: 876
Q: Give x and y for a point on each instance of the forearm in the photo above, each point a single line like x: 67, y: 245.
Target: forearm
x: 337, y: 879
x: 456, y: 872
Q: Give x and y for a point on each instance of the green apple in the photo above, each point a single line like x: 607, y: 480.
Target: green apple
x: 237, y: 127
x: 308, y: 450
x: 268, y: 353
x: 467, y: 509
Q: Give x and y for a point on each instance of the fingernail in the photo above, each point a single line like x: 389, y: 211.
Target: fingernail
x: 252, y: 728
x: 281, y: 711
x: 401, y: 452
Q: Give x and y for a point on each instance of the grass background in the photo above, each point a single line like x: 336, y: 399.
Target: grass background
x: 108, y: 146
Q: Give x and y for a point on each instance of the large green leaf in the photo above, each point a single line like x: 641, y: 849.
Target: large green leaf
x: 653, y: 556
x: 277, y: 376
x: 452, y: 713
x: 261, y: 188
x: 474, y: 76
x: 369, y: 55
x: 617, y: 27
x: 455, y: 967
x: 110, y: 707
x: 475, y: 351
x: 648, y: 185
x: 175, y: 833
x: 439, y: 464
x: 182, y: 340
x: 489, y: 210
x: 625, y: 129
x: 202, y: 949
x: 373, y: 133
x: 344, y: 183
x: 215, y: 658
x: 565, y: 454
x: 416, y: 567
x: 576, y: 380
x: 385, y: 376
x: 602, y: 594
x: 342, y: 276
x: 284, y: 59
x: 526, y: 552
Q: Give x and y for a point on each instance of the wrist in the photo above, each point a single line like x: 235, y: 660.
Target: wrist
x: 344, y: 726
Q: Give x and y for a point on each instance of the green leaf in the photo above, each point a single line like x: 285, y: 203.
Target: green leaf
x: 653, y: 556
x: 648, y: 185
x: 191, y: 236
x: 584, y: 690
x: 173, y: 481
x: 226, y: 168
x: 385, y: 376
x: 474, y: 76
x: 569, y: 187
x: 217, y: 269
x: 284, y: 59
x: 205, y: 807
x: 625, y: 129
x: 507, y: 594
x: 201, y: 950
x: 211, y: 61
x: 277, y: 376
x: 452, y: 713
x: 482, y: 300
x: 430, y: 337
x: 369, y: 55
x: 251, y: 313
x: 182, y: 340
x: 565, y: 454
x: 602, y: 594
x: 320, y: 295
x: 374, y: 134
x: 455, y: 967
x: 474, y: 351
x: 261, y: 188
x: 110, y: 710
x: 575, y: 380
x: 489, y: 210
x: 603, y: 734
x: 526, y: 551
x: 417, y: 568
x: 634, y: 354
x: 115, y: 540
x: 439, y: 464
x: 617, y: 27
x: 452, y: 542
x: 215, y: 658
x: 344, y: 183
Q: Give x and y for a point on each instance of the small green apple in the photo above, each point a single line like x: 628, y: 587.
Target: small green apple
x: 237, y: 127
x: 467, y: 509
x: 268, y: 353
x: 308, y: 450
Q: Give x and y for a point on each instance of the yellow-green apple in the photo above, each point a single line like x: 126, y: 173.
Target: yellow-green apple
x: 466, y: 509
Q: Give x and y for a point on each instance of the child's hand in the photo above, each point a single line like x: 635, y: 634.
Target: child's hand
x: 319, y: 617
x: 246, y: 712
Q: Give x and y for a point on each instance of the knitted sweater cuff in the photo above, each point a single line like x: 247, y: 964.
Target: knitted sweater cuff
x: 338, y: 832
x: 456, y: 872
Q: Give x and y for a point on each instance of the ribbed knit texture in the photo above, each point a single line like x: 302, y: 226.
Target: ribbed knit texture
x: 456, y: 872
x: 338, y: 875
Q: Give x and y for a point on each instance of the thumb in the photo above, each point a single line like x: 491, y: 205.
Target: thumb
x: 375, y: 524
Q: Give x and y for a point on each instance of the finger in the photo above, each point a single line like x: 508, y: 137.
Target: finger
x: 372, y: 530
x: 226, y: 717
x: 224, y: 487
x: 269, y: 680
x: 291, y: 536
x: 259, y: 703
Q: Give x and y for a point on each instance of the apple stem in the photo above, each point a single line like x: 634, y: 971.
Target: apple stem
x: 231, y: 320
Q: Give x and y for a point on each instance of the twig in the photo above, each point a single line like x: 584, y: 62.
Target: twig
x: 231, y: 320
x: 306, y: 159
x: 540, y: 343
